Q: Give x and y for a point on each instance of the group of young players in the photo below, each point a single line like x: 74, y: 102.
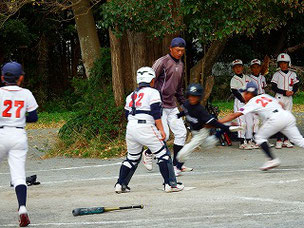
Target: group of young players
x: 152, y: 111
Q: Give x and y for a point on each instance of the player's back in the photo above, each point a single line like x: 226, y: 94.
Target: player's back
x: 264, y: 105
x: 143, y: 99
x: 14, y: 103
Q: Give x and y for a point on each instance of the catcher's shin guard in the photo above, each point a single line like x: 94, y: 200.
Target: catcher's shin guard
x: 166, y: 168
x: 126, y: 172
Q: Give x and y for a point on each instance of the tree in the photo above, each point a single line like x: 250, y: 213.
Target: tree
x: 211, y: 23
x: 85, y: 24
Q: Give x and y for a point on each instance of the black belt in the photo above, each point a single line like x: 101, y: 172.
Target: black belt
x: 274, y: 111
x: 141, y: 121
x: 10, y: 126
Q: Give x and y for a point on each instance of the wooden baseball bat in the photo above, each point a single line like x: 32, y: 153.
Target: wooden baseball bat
x: 99, y: 210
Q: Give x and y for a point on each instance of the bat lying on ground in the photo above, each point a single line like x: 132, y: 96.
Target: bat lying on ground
x: 99, y: 210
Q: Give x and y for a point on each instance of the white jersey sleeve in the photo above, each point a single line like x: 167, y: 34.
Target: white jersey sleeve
x: 249, y: 107
x: 235, y: 83
x: 275, y: 78
x: 31, y: 103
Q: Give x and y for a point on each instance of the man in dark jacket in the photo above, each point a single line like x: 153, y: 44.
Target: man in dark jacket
x: 169, y: 71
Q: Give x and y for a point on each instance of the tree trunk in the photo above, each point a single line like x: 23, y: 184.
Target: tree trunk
x: 295, y: 48
x: 117, y: 74
x: 137, y: 45
x: 87, y: 33
x: 202, y: 71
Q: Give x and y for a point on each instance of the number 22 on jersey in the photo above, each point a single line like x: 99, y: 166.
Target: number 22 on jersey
x: 9, y: 104
x: 264, y: 101
x: 139, y: 97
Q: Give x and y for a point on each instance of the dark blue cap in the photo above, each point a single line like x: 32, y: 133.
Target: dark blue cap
x: 12, y: 69
x: 178, y: 42
x: 251, y: 87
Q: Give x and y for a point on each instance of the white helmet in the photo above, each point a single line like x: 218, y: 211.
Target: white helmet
x: 255, y: 61
x: 283, y: 57
x: 145, y: 74
x: 237, y: 62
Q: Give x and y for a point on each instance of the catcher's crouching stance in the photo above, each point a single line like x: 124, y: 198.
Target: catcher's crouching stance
x: 275, y: 119
x: 198, y: 117
x: 144, y: 128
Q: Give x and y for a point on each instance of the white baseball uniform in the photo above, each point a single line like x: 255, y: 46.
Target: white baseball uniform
x: 253, y: 124
x: 285, y: 82
x: 240, y: 83
x: 14, y: 103
x: 141, y: 129
x: 275, y: 119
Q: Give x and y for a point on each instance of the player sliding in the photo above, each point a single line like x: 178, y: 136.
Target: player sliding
x: 14, y: 103
x: 145, y: 128
x: 275, y: 119
x: 198, y: 118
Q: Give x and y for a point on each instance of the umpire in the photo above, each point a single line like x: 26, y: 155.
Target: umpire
x: 169, y: 71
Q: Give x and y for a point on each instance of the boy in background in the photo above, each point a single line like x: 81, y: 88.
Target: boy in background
x: 285, y: 84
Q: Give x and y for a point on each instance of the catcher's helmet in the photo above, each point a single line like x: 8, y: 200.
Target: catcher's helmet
x: 145, y: 75
x: 283, y: 57
x: 195, y: 90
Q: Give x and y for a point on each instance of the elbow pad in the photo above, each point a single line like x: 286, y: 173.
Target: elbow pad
x: 156, y: 110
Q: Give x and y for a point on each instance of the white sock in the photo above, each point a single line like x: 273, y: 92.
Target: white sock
x: 22, y: 210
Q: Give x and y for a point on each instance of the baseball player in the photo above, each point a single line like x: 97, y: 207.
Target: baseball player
x: 198, y: 118
x: 15, y: 102
x: 275, y: 119
x: 143, y: 111
x: 239, y: 81
x: 256, y: 77
x: 285, y: 84
x: 169, y: 71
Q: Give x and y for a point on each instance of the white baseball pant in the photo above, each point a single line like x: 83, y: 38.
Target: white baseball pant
x: 287, y: 101
x: 199, y: 138
x: 282, y: 121
x: 252, y: 124
x: 177, y: 126
x: 240, y: 120
x: 143, y: 134
x: 13, y: 144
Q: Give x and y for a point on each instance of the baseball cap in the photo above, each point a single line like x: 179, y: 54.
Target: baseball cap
x: 12, y: 69
x: 178, y: 42
x: 251, y: 87
x: 255, y: 61
x: 237, y: 62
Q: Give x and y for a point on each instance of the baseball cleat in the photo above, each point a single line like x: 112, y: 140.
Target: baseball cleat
x: 186, y: 169
x: 121, y: 188
x: 245, y: 146
x: 253, y: 145
x: 279, y: 145
x: 270, y: 144
x: 147, y: 160
x: 177, y: 188
x: 271, y: 164
x: 24, y: 220
x: 287, y: 144
x: 177, y: 171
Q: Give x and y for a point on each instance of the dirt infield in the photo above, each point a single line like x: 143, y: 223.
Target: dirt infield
x: 226, y: 190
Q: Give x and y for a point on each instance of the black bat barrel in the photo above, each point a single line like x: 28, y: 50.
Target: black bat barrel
x: 87, y: 211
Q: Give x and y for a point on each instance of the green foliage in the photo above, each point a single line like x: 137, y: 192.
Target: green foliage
x: 155, y: 18
x: 13, y: 35
x: 211, y: 20
x: 97, y: 114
